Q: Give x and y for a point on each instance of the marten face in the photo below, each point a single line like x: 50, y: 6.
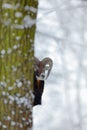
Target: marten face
x: 40, y: 71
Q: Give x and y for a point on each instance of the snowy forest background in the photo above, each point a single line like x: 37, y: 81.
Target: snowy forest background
x: 62, y: 35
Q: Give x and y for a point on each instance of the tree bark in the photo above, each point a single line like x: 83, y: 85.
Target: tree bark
x: 17, y: 31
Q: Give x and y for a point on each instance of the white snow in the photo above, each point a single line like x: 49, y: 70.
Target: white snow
x: 28, y: 21
x: 61, y: 35
x: 18, y: 14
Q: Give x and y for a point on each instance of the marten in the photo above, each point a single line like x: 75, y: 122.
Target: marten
x: 40, y: 68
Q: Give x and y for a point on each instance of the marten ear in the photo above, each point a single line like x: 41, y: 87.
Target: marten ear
x: 48, y: 63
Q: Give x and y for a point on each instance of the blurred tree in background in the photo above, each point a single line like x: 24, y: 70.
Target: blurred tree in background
x: 17, y: 31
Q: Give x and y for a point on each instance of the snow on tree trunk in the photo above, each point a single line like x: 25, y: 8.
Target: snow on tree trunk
x: 17, y: 31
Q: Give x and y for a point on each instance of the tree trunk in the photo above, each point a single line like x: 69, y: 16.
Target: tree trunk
x: 17, y: 31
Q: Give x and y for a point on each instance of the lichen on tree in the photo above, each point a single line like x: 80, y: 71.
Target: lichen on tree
x: 17, y: 31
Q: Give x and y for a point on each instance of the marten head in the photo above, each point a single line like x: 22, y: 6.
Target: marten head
x: 41, y: 72
x: 42, y: 68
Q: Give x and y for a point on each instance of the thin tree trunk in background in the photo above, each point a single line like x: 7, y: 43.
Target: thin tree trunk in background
x: 17, y: 31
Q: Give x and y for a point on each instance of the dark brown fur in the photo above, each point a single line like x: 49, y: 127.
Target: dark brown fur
x: 38, y: 90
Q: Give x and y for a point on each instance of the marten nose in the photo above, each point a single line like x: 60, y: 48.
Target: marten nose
x: 42, y: 75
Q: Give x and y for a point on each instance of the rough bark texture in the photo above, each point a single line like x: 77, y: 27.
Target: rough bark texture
x: 17, y: 30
